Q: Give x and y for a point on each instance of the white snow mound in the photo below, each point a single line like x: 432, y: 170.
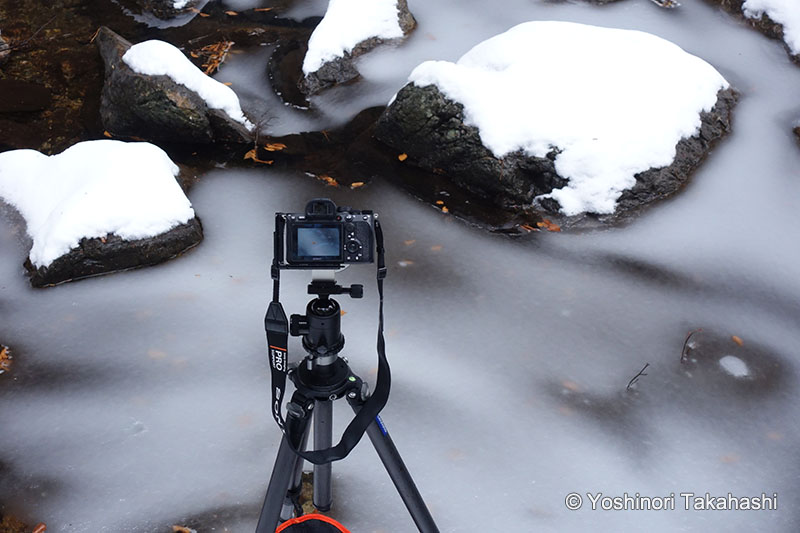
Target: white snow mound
x: 614, y: 102
x: 784, y: 12
x: 345, y: 24
x: 90, y: 190
x: 158, y: 58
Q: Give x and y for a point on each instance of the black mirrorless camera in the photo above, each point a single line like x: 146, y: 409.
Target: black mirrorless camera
x: 328, y: 236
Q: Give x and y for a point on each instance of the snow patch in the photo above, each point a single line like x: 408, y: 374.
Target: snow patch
x: 784, y: 12
x: 614, y: 102
x: 345, y: 24
x: 734, y: 366
x: 179, y: 4
x: 158, y: 58
x: 92, y: 189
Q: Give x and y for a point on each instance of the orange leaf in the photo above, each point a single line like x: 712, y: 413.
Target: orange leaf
x: 274, y: 147
x: 356, y: 184
x: 528, y: 227
x: 194, y: 10
x: 409, y: 242
x: 402, y: 157
x: 231, y: 13
x: 263, y: 9
x: 252, y: 154
x: 329, y: 180
x: 107, y: 134
x: 549, y: 226
x: 40, y: 528
x: 737, y: 340
x: 439, y: 202
x: 182, y: 529
x: 228, y: 83
x: 194, y: 54
x: 445, y: 210
x: 204, y: 14
x: 436, y: 248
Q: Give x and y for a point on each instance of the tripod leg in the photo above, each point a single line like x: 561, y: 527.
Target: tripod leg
x: 399, y: 474
x: 285, y: 471
x: 323, y: 439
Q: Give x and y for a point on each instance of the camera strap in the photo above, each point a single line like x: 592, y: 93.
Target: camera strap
x: 277, y: 328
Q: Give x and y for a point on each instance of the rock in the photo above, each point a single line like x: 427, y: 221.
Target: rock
x: 578, y: 136
x: 166, y: 9
x: 427, y: 126
x: 341, y: 69
x: 285, y: 71
x: 156, y: 108
x: 764, y: 23
x: 111, y: 254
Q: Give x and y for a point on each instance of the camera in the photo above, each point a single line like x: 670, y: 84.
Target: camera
x: 328, y: 236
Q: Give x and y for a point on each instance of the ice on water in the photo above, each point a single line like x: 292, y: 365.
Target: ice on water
x: 140, y: 400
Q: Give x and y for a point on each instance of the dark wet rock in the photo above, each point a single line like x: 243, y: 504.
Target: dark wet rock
x: 17, y: 96
x: 764, y: 24
x: 429, y: 128
x: 111, y: 254
x: 342, y: 69
x: 285, y: 69
x: 165, y: 9
x: 156, y: 108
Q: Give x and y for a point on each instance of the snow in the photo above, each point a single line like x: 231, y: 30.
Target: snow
x: 734, y: 366
x: 92, y: 189
x: 785, y: 12
x: 158, y: 58
x: 179, y: 4
x: 345, y: 24
x: 614, y: 102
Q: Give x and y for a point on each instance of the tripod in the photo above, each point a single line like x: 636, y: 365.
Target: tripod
x: 321, y: 378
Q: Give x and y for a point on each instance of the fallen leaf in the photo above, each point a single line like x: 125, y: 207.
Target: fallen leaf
x: 194, y: 54
x: 445, y: 210
x: 231, y: 13
x: 439, y: 202
x: 328, y: 180
x: 737, y: 340
x: 204, y: 14
x: 40, y: 528
x: 409, y: 242
x: 182, y: 529
x: 227, y: 83
x: 263, y: 9
x: 194, y: 10
x: 342, y: 312
x: 528, y: 227
x: 274, y: 147
x: 402, y: 157
x: 356, y: 184
x: 5, y: 359
x: 107, y: 134
x: 253, y: 155
x: 570, y: 385
x: 436, y: 248
x: 549, y: 226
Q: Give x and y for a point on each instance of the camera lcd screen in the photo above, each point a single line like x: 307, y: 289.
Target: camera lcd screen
x: 321, y: 241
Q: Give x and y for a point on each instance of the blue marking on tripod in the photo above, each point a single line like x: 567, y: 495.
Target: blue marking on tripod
x: 380, y: 425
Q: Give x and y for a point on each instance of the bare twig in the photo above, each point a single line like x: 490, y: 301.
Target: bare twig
x: 19, y: 45
x: 686, y: 347
x: 637, y: 376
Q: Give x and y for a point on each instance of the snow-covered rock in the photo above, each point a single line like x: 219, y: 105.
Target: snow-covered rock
x: 578, y: 118
x: 779, y: 19
x: 351, y: 28
x: 153, y: 92
x: 97, y: 207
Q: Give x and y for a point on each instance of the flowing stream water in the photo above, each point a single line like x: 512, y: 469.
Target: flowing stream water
x: 139, y: 400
